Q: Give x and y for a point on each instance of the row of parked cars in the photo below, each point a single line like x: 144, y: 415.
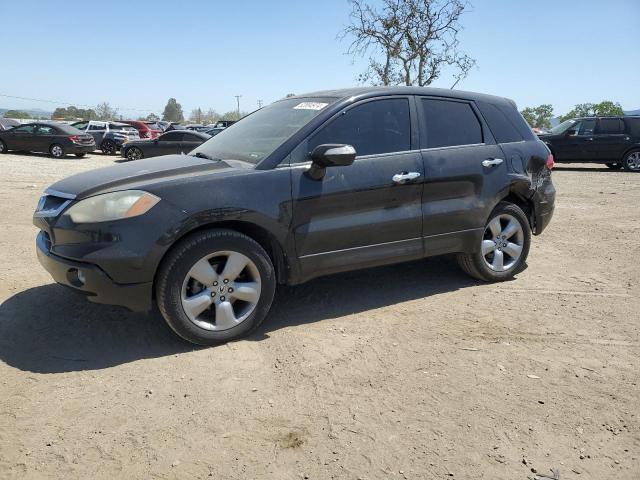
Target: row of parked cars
x: 133, y: 138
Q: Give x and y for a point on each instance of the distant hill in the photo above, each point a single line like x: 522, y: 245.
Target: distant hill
x: 34, y: 112
x: 632, y: 112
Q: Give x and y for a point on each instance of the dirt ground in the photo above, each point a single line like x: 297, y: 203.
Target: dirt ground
x: 410, y: 371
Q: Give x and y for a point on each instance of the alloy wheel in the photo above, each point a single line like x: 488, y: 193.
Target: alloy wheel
x: 502, y: 243
x: 134, y: 154
x: 221, y: 290
x: 57, y: 151
x: 1, y: 147
x: 633, y: 161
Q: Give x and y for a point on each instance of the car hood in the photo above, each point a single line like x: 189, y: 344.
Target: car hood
x: 138, y: 174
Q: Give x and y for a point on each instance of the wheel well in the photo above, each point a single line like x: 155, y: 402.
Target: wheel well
x: 628, y: 151
x: 253, y: 231
x: 524, y: 204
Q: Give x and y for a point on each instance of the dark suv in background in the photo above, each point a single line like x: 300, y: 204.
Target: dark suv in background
x: 614, y: 141
x: 307, y: 186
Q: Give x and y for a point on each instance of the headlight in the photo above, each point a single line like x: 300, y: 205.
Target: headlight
x: 112, y: 206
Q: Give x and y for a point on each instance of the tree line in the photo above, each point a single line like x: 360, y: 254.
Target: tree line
x: 540, y: 116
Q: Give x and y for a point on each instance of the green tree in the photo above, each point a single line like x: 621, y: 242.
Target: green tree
x: 604, y: 108
x: 173, y: 111
x: 539, y: 117
x: 16, y: 114
x: 104, y: 111
x: 73, y: 113
x: 233, y: 115
x: 152, y: 117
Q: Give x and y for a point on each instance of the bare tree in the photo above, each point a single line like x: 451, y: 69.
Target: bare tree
x: 104, y: 111
x: 409, y: 42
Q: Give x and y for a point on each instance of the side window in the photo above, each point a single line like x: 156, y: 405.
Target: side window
x: 96, y: 126
x: 81, y: 125
x: 25, y: 129
x: 610, y: 126
x: 46, y: 130
x: 633, y: 126
x: 449, y: 123
x: 372, y: 128
x: 171, y: 137
x: 190, y: 137
x: 501, y: 126
x: 586, y: 127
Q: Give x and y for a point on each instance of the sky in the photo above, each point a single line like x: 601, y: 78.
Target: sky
x: 135, y: 55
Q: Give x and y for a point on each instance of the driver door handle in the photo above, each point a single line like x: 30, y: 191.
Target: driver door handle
x: 492, y: 162
x: 404, y: 177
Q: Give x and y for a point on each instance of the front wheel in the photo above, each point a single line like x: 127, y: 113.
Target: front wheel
x: 215, y: 286
x: 3, y: 147
x: 134, y: 153
x: 504, y: 246
x: 56, y: 151
x: 631, y: 162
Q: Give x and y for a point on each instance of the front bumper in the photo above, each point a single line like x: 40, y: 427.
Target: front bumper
x: 91, y: 281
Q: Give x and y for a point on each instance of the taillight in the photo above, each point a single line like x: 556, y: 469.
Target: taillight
x: 74, y: 138
x: 550, y: 162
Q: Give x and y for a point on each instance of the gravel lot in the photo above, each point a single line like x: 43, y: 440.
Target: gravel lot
x: 410, y: 371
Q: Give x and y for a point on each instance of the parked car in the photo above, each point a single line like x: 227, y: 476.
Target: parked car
x: 109, y: 136
x: 197, y: 127
x: 306, y: 186
x: 174, y: 126
x: 57, y: 139
x: 213, y: 131
x: 176, y: 141
x: 144, y: 130
x: 224, y: 123
x: 613, y: 141
x: 7, y: 123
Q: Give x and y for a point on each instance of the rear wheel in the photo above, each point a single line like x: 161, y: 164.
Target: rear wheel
x: 504, y: 246
x: 109, y: 147
x: 215, y: 286
x: 614, y: 166
x: 631, y: 162
x: 56, y: 150
x: 134, y: 153
x: 3, y: 147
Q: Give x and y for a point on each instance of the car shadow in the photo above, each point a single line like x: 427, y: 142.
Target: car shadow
x: 50, y: 329
x: 587, y: 168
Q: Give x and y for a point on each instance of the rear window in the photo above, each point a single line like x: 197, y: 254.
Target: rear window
x: 501, y: 126
x: 449, y: 123
x: 633, y: 126
x: 610, y: 126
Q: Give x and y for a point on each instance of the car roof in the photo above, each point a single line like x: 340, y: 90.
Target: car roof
x: 365, y: 92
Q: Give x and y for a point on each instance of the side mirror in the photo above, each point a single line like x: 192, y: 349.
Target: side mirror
x: 330, y: 155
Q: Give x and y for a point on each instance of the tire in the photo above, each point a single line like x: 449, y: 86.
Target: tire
x: 224, y: 316
x: 485, y: 264
x: 109, y: 147
x: 134, y: 153
x: 614, y: 166
x: 81, y: 155
x: 631, y: 161
x: 3, y: 147
x: 57, y: 151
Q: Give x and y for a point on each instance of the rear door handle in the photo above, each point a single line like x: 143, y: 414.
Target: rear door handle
x: 405, y: 177
x: 492, y: 162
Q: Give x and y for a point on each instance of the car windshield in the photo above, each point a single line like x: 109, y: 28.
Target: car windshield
x: 563, y: 127
x: 257, y: 136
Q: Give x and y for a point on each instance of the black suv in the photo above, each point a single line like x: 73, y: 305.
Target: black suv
x: 614, y: 141
x: 307, y: 186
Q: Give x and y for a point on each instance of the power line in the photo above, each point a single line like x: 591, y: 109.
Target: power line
x: 60, y: 102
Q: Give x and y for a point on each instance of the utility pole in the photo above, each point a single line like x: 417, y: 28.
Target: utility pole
x: 259, y: 103
x: 238, y: 100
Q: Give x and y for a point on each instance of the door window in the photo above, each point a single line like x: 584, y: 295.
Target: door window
x: 96, y: 127
x: 448, y: 124
x: 81, y: 125
x: 190, y: 137
x: 586, y: 127
x: 46, y: 130
x: 25, y: 129
x: 372, y: 128
x: 171, y: 137
x: 610, y: 126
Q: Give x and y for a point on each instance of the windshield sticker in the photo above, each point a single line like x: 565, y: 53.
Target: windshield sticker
x: 310, y: 106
